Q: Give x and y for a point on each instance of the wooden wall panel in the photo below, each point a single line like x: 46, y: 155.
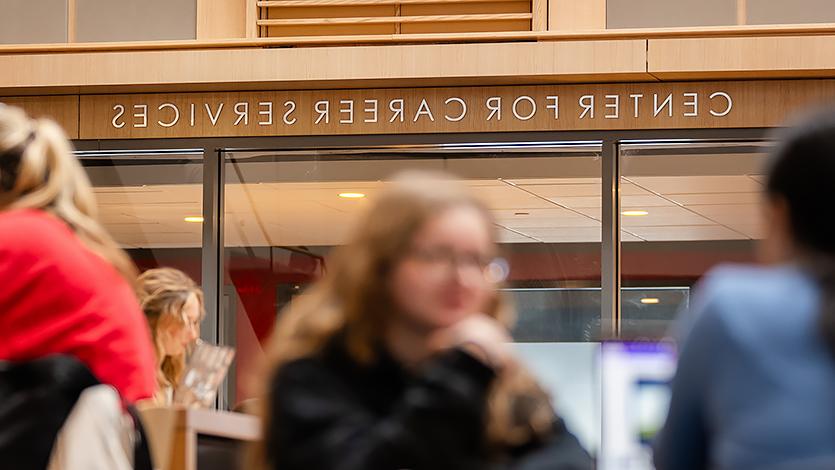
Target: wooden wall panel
x: 413, y: 65
x: 778, y: 57
x: 221, y: 19
x: 61, y: 109
x: 576, y: 15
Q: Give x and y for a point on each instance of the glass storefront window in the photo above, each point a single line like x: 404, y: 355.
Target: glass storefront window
x: 685, y: 208
x: 283, y: 214
x: 151, y: 202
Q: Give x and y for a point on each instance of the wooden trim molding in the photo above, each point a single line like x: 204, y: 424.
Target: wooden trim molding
x: 745, y: 31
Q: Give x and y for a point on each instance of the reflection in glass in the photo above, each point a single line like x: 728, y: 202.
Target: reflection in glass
x: 285, y: 211
x: 686, y: 207
x: 145, y: 199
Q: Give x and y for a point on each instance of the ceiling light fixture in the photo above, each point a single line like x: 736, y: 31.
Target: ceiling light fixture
x: 352, y: 195
x: 634, y: 213
x: 194, y: 219
x: 650, y: 301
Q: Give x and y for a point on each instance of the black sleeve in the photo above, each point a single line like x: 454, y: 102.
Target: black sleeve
x: 318, y: 424
x: 562, y: 451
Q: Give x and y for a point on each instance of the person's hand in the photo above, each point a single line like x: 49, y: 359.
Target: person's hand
x: 479, y: 335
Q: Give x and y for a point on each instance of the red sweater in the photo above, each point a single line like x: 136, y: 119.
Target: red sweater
x: 57, y: 296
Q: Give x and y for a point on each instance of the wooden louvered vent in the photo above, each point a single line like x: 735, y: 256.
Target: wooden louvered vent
x: 288, y: 18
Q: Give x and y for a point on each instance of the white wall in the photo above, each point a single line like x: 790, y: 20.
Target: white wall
x: 571, y: 373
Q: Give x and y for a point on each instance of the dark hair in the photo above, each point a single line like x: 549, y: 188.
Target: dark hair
x: 802, y: 174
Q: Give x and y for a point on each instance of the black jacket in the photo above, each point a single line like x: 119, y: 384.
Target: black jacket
x: 36, y: 397
x: 330, y: 413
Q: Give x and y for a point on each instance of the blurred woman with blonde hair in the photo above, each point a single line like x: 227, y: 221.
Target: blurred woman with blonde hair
x: 65, y: 285
x: 173, y: 306
x: 75, y: 350
x: 400, y: 357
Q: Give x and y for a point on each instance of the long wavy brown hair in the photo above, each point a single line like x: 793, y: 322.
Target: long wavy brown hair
x: 39, y: 171
x: 162, y: 293
x: 349, y: 300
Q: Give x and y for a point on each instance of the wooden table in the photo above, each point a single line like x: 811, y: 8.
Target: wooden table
x: 174, y: 433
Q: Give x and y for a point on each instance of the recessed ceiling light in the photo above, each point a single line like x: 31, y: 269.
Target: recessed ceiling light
x: 634, y: 213
x: 194, y: 219
x: 352, y: 195
x: 650, y: 300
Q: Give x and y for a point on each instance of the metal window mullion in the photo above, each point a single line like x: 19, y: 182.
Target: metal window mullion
x: 611, y: 240
x: 212, y: 251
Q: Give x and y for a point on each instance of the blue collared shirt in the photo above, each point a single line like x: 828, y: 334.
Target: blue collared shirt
x: 755, y: 386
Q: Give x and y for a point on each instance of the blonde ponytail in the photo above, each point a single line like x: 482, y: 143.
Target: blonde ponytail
x: 37, y: 165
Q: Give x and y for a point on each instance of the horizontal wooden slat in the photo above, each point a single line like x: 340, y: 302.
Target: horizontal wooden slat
x: 329, y: 3
x: 396, y: 19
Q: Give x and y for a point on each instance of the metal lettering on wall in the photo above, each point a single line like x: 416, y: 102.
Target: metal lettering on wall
x: 396, y: 111
x: 684, y: 105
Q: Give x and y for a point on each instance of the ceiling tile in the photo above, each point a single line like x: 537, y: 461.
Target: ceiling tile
x: 698, y: 184
x: 716, y: 198
x: 687, y: 233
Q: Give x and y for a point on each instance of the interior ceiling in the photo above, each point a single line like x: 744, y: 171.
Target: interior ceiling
x: 527, y: 210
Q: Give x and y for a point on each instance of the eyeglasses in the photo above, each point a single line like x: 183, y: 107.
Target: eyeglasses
x: 491, y: 269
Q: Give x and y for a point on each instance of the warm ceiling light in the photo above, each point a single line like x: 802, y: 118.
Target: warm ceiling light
x: 194, y: 219
x: 634, y: 213
x: 650, y: 301
x: 352, y: 195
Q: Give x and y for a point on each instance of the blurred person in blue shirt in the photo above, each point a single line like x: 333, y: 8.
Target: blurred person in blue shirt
x: 755, y: 386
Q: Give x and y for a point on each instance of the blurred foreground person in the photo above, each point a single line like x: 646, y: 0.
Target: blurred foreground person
x: 69, y: 319
x: 400, y: 356
x: 755, y: 387
x: 173, y: 306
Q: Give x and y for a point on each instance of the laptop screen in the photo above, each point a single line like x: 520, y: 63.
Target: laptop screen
x: 636, y: 395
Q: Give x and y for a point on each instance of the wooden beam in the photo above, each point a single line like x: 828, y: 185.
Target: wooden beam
x: 741, y: 12
x: 539, y: 9
x: 251, y: 19
x: 72, y: 20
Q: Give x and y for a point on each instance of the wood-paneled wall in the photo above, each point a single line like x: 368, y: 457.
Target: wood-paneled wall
x: 679, y: 105
x: 576, y: 15
x: 326, y: 67
x: 770, y: 57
